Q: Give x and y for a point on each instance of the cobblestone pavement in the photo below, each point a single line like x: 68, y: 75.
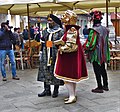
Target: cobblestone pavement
x: 21, y: 96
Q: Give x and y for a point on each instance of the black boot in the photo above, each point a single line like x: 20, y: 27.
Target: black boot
x: 55, y: 92
x: 46, y: 91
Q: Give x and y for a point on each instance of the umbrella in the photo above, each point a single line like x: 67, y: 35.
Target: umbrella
x: 36, y: 7
x: 18, y: 9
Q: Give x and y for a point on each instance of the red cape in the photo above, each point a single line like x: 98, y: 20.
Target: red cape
x: 71, y: 66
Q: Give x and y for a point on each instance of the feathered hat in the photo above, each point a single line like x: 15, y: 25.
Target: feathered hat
x: 96, y: 15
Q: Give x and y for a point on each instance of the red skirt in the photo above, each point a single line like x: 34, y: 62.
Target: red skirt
x: 71, y: 66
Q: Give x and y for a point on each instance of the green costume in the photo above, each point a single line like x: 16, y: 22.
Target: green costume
x: 97, y: 45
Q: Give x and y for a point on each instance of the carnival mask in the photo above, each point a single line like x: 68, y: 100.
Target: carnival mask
x: 69, y: 18
x: 51, y: 23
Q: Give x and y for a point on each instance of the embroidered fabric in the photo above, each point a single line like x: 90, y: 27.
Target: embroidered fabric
x: 68, y: 48
x: 70, y: 45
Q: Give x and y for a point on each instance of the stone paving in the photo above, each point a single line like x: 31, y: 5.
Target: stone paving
x: 21, y: 96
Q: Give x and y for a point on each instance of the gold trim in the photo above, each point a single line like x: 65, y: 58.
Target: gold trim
x: 65, y: 78
x: 70, y: 79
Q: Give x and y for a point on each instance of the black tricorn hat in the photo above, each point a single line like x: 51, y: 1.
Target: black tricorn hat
x: 56, y: 20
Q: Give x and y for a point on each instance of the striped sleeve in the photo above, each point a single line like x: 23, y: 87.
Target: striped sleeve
x: 90, y: 43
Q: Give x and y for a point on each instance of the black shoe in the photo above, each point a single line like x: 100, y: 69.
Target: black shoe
x: 55, y: 94
x: 105, y: 88
x: 97, y: 90
x: 16, y: 78
x: 4, y: 79
x: 44, y: 93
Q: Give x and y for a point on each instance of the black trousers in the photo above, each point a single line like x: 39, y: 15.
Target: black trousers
x: 100, y: 73
x: 48, y: 88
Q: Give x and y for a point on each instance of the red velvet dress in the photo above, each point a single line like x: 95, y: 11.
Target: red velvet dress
x: 71, y: 66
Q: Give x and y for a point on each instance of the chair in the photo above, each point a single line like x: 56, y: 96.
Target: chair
x: 35, y: 56
x: 114, y: 60
x: 7, y: 63
x: 26, y: 59
x: 35, y: 48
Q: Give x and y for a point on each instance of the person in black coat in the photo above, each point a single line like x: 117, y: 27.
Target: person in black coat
x: 85, y: 32
x: 48, y: 57
x: 7, y: 39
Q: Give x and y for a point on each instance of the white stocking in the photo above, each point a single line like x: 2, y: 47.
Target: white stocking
x: 71, y: 90
x: 74, y: 85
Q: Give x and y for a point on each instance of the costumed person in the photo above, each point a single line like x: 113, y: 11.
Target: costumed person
x: 70, y: 63
x: 47, y: 58
x: 97, y: 49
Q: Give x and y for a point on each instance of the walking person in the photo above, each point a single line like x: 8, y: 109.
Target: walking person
x: 18, y: 42
x: 97, y: 48
x: 6, y: 41
x: 25, y: 34
x: 47, y: 59
x: 85, y: 32
x: 20, y: 38
x: 70, y: 63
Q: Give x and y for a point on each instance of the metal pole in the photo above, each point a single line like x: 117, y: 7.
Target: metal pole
x: 28, y: 24
x: 115, y: 25
x: 107, y: 13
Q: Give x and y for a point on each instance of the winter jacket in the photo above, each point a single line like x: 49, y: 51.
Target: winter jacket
x: 6, y: 40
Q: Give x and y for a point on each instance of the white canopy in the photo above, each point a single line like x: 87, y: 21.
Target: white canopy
x: 19, y: 7
x: 6, y: 2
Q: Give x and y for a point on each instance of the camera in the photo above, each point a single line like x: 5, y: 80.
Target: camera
x: 7, y: 23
